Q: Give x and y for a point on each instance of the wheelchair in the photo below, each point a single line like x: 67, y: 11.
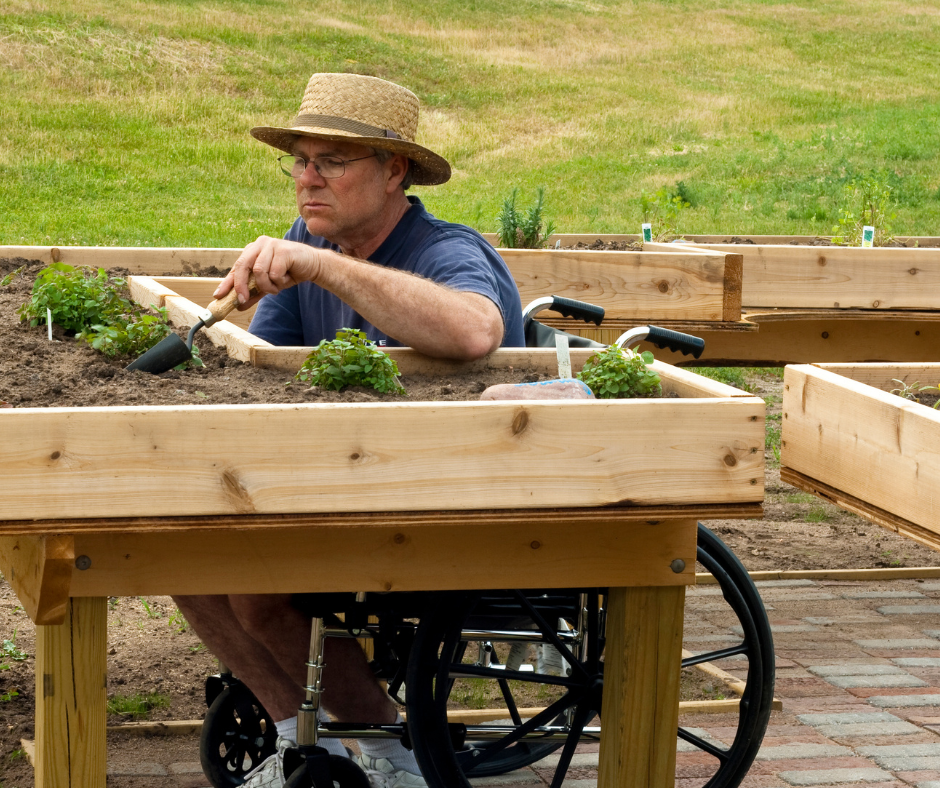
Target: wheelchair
x: 533, y: 658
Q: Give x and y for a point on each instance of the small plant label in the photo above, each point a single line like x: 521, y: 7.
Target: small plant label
x: 564, y: 356
x: 868, y: 237
x: 647, y: 232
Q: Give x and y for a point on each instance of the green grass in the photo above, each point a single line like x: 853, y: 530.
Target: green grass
x: 138, y: 705
x: 817, y: 514
x: 127, y: 124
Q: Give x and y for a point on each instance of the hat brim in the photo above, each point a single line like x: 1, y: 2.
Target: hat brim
x: 428, y: 169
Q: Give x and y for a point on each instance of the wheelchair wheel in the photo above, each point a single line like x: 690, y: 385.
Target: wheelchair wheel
x: 237, y: 735
x: 343, y: 774
x: 442, y: 667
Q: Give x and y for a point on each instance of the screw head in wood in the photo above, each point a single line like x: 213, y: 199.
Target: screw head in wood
x: 677, y: 566
x: 83, y: 562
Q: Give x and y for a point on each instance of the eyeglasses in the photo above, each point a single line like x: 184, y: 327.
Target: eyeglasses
x: 326, y: 166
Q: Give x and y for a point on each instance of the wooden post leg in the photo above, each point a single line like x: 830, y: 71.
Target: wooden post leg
x: 71, y: 697
x: 642, y: 663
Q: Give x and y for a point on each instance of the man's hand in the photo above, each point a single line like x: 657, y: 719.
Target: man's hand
x: 277, y: 265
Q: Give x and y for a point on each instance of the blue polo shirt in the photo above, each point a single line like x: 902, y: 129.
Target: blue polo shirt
x: 450, y: 254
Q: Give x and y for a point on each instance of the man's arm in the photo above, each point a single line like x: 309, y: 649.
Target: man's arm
x: 419, y: 313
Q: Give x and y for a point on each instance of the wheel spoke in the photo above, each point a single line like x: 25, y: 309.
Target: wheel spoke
x: 551, y: 635
x: 574, y: 736
x: 698, y: 741
x: 712, y: 656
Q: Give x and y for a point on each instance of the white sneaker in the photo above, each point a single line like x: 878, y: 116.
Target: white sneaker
x: 270, y: 772
x: 382, y: 774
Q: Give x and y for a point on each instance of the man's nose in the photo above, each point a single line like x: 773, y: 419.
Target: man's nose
x: 310, y: 176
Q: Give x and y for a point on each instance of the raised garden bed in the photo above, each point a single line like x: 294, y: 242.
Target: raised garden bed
x: 846, y: 438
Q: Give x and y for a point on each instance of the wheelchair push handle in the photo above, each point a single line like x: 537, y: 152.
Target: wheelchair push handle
x: 567, y: 307
x: 663, y: 338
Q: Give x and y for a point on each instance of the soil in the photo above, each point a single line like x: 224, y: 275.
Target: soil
x: 152, y: 650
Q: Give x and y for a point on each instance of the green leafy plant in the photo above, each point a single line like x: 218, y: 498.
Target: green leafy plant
x: 618, y: 374
x: 10, y: 650
x: 77, y: 297
x: 663, y: 210
x: 129, y: 338
x: 519, y: 230
x: 350, y: 360
x: 870, y: 202
x: 912, y: 391
x: 90, y: 304
x: 138, y: 705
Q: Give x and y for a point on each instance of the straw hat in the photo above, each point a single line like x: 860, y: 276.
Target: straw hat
x: 365, y: 110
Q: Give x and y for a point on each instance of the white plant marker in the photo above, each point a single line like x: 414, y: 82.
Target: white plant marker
x: 868, y: 237
x: 49, y: 322
x: 564, y: 357
x: 647, y: 232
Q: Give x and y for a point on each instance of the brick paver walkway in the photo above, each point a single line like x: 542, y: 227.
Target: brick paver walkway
x: 858, y: 672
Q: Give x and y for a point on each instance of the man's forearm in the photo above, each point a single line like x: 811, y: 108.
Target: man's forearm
x: 419, y: 313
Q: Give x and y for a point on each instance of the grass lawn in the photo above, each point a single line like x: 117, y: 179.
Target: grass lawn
x: 126, y: 123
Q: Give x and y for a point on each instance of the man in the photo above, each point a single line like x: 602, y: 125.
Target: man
x: 363, y: 255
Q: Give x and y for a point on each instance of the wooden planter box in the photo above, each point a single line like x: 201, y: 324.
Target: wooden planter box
x: 846, y: 438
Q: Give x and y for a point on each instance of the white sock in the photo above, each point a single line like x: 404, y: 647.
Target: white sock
x: 287, y: 729
x: 392, y: 750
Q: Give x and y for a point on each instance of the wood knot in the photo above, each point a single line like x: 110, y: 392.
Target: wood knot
x: 55, y: 455
x: 398, y: 538
x: 876, y: 304
x: 913, y: 272
x: 663, y: 286
x: 237, y: 494
x: 821, y: 260
x: 354, y: 456
x: 520, y: 421
x: 535, y: 544
x: 730, y: 460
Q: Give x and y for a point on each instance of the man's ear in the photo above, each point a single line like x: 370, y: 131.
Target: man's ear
x: 397, y: 169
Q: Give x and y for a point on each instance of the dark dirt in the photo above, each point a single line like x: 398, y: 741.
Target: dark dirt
x: 150, y: 647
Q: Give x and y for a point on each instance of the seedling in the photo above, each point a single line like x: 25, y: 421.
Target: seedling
x: 11, y: 651
x: 350, y: 360
x: 870, y: 204
x: 152, y: 612
x: 524, y: 232
x: 8, y: 279
x: 620, y: 374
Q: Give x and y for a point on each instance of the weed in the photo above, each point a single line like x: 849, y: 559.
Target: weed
x: 8, y: 279
x: 817, y: 514
x: 178, y: 622
x: 9, y: 650
x: 138, y: 705
x: 152, y: 612
x: 799, y: 498
x: 112, y: 603
x: 350, y: 360
x: 198, y: 648
x: 619, y: 374
x: 524, y: 232
x: 8, y: 696
x: 17, y: 754
x: 772, y: 438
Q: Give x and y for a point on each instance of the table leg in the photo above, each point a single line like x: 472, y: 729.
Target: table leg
x: 71, y: 697
x: 642, y: 663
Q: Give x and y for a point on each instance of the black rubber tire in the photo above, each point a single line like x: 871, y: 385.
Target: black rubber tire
x: 437, y: 645
x: 343, y: 773
x: 237, y: 735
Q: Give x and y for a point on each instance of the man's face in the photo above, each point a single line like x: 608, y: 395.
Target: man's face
x: 345, y: 210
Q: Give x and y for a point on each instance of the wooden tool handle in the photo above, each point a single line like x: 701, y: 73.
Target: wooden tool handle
x: 221, y: 307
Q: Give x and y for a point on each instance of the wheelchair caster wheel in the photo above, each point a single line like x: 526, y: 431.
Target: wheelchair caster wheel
x: 237, y: 735
x: 343, y: 774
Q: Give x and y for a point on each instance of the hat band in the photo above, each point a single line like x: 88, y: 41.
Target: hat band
x: 344, y: 124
